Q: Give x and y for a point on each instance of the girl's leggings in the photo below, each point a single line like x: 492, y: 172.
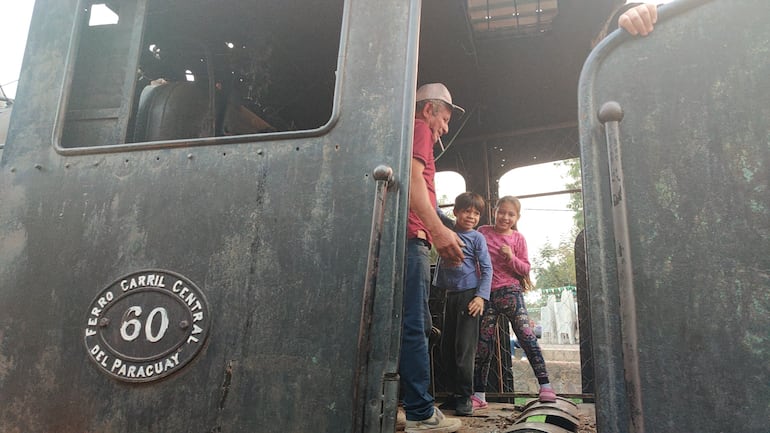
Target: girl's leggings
x: 508, y: 301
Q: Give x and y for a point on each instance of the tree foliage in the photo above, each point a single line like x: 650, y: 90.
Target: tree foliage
x: 555, y: 265
x: 576, y: 199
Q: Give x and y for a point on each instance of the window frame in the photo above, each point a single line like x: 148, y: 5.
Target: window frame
x: 136, y: 44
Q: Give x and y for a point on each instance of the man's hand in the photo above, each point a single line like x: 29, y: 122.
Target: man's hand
x: 445, y: 240
x: 448, y: 245
x: 639, y: 20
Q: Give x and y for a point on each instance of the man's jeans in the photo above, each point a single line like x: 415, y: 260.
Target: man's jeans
x: 414, y: 364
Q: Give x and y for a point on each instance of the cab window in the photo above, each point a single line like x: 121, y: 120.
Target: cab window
x: 157, y: 70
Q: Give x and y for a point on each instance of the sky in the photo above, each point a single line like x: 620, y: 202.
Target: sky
x: 15, y: 22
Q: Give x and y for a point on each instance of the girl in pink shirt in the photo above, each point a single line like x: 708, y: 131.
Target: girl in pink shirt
x: 510, y: 275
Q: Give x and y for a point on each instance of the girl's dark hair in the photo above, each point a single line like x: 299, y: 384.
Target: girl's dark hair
x: 469, y: 200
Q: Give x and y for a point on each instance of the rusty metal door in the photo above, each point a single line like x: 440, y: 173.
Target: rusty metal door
x: 206, y: 285
x: 675, y: 134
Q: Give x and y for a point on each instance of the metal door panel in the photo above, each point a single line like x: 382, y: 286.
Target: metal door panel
x: 677, y: 203
x: 275, y: 233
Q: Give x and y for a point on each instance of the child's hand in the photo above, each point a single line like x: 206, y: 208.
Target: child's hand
x: 640, y: 19
x: 507, y: 252
x: 476, y: 306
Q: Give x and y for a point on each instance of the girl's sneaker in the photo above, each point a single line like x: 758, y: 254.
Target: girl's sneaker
x: 478, y: 403
x: 547, y: 395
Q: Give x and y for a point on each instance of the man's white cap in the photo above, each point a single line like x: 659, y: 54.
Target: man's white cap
x: 437, y: 91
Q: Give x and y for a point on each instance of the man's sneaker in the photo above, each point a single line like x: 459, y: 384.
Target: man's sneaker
x: 464, y: 406
x: 437, y: 423
x: 547, y: 395
x: 478, y: 403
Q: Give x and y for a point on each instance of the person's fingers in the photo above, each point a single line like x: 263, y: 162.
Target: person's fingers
x: 448, y: 245
x: 457, y: 248
x: 457, y: 253
x: 639, y: 20
x: 653, y: 13
x: 627, y: 24
x: 648, y: 13
x: 452, y: 254
x: 473, y: 309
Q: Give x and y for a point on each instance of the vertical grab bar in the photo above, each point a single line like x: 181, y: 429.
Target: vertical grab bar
x: 383, y: 176
x: 611, y: 114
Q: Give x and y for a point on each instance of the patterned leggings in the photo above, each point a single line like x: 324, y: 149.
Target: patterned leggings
x: 508, y: 301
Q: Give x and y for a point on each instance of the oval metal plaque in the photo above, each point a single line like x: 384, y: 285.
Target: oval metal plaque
x: 146, y: 325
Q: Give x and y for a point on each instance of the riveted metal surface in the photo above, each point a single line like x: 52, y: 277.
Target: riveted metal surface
x: 273, y: 231
x: 678, y: 220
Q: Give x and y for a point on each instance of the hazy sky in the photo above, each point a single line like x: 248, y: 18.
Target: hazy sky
x: 16, y: 15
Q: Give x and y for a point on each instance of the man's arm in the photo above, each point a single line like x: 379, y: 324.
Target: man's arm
x: 446, y: 241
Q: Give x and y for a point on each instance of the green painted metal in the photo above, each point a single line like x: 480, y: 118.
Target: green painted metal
x: 677, y: 203
x: 275, y: 230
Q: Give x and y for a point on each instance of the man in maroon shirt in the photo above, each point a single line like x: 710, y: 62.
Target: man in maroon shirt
x: 433, y: 111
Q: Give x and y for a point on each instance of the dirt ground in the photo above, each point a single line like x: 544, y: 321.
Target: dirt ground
x: 501, y: 418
